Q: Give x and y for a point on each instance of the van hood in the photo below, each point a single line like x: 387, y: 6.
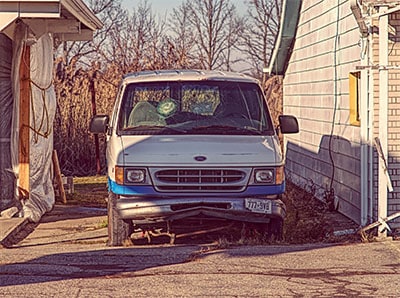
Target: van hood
x: 200, y: 150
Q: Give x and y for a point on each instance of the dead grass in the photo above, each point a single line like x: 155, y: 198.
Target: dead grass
x: 89, y: 192
x: 307, y: 218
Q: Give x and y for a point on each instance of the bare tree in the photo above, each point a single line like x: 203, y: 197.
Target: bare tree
x: 261, y: 31
x: 112, y: 15
x: 214, y: 24
x: 140, y: 27
x: 181, y: 40
x: 139, y: 42
x: 77, y: 76
x: 234, y: 31
x: 156, y: 56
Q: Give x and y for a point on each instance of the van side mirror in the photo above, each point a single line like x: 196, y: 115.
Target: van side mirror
x: 288, y: 124
x: 99, y: 124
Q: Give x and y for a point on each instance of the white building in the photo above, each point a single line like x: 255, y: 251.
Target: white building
x: 340, y: 61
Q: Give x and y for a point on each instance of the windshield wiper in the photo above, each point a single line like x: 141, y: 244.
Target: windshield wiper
x: 226, y: 129
x: 159, y: 128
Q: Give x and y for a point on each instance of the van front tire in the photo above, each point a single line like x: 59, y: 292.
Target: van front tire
x: 119, y: 230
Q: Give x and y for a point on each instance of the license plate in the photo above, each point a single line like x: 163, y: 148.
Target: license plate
x: 258, y: 205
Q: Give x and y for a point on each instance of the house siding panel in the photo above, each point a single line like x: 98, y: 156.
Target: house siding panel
x: 326, y: 152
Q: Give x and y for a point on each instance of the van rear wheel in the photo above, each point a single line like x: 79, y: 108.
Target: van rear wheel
x: 119, y: 230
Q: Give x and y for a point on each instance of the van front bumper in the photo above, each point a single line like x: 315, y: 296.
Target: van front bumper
x: 148, y: 210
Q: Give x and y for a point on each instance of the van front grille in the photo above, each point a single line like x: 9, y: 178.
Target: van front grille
x: 208, y: 180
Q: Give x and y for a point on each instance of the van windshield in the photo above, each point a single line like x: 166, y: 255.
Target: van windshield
x: 194, y: 107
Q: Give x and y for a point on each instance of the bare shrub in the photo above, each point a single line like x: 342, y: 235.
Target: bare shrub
x: 260, y: 31
x: 274, y: 93
x: 307, y: 219
x: 73, y: 142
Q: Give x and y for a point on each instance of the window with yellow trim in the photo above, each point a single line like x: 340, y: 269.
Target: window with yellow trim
x: 354, y: 97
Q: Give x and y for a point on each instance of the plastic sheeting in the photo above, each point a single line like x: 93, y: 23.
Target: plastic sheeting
x: 43, y: 106
x: 6, y: 105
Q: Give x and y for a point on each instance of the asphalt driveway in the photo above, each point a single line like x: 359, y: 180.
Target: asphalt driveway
x: 66, y: 256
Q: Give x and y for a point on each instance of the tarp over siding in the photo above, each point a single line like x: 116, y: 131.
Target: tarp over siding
x: 7, y: 178
x: 43, y: 101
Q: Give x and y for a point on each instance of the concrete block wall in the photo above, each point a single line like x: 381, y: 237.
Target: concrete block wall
x: 394, y: 118
x: 393, y: 114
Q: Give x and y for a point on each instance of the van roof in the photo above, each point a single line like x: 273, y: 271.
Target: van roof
x: 186, y: 75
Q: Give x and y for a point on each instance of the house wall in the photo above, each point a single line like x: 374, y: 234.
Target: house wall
x: 6, y: 108
x: 325, y: 155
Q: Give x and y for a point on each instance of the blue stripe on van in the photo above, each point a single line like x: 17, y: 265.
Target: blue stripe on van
x: 145, y: 190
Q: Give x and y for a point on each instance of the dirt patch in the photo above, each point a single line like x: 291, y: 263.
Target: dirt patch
x: 310, y: 220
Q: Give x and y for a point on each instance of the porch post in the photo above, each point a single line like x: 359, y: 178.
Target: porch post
x: 24, y: 124
x: 383, y: 114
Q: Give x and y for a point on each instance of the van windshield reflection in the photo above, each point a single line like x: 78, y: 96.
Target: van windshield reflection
x: 206, y: 107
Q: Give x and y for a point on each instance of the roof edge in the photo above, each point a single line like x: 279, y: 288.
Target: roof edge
x: 284, y: 42
x: 82, y: 13
x: 11, y: 10
x: 187, y: 74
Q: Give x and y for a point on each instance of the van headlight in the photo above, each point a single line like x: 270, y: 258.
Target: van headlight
x: 135, y: 175
x: 130, y: 175
x: 268, y: 175
x: 264, y: 176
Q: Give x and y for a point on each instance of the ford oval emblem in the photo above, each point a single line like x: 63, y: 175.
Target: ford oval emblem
x: 200, y: 158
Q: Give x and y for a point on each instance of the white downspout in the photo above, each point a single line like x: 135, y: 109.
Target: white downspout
x: 365, y: 144
x: 383, y: 113
x: 371, y: 134
x: 364, y: 106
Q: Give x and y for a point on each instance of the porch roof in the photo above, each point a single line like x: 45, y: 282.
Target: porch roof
x: 69, y: 19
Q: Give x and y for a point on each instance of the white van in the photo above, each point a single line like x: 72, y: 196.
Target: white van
x: 189, y: 143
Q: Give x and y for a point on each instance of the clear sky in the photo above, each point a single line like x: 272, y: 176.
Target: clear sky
x: 166, y: 6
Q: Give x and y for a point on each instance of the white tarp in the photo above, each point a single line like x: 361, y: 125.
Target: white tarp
x: 43, y: 107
